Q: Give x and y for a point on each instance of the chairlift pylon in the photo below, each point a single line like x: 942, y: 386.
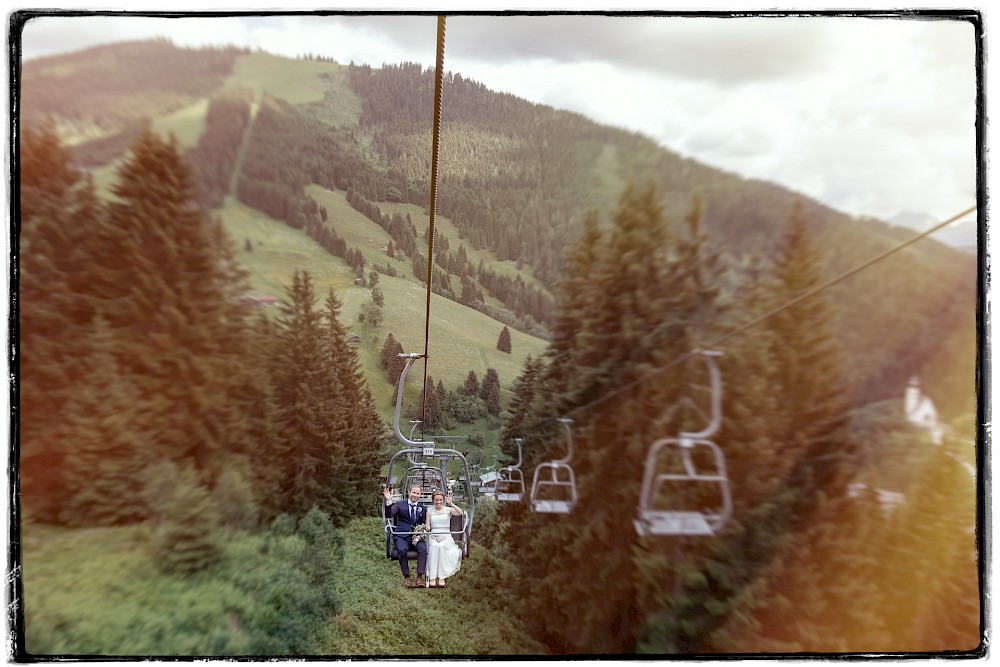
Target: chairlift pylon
x: 563, y: 480
x: 652, y: 519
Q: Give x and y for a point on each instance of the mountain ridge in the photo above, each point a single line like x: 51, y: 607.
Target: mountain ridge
x: 517, y: 178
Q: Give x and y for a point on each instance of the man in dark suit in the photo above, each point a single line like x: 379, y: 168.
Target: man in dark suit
x: 408, y: 513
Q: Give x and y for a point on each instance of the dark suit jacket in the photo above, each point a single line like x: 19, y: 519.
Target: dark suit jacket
x: 401, y: 510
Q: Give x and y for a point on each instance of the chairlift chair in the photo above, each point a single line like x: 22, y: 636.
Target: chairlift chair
x: 510, y: 480
x: 562, y: 481
x: 652, y: 519
x: 418, y: 455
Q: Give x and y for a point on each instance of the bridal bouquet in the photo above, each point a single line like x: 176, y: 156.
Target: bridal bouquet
x: 419, y: 533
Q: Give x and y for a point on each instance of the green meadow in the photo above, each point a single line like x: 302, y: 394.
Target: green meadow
x: 461, y: 339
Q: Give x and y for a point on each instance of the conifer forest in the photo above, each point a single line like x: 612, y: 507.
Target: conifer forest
x: 219, y: 255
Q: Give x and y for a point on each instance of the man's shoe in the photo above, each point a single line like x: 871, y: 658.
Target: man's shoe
x: 420, y: 581
x: 408, y: 582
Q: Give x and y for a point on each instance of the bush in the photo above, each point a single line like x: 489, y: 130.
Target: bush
x: 233, y: 495
x: 465, y: 408
x: 187, y: 541
x: 283, y: 525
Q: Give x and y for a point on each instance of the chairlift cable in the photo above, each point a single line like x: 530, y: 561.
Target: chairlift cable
x: 438, y: 79
x: 715, y: 344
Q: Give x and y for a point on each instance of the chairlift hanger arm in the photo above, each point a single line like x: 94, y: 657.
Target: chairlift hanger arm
x: 569, y: 439
x: 410, y: 358
x: 716, y: 384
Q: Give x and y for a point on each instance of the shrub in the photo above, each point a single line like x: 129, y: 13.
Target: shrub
x: 237, y: 506
x: 187, y: 540
x: 465, y: 408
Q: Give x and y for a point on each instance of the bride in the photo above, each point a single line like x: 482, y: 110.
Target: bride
x: 444, y: 557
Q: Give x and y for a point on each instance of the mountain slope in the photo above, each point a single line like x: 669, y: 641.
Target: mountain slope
x: 516, y: 181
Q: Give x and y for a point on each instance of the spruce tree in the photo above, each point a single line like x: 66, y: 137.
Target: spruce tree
x: 180, y: 311
x: 390, y: 359
x: 107, y: 440
x: 46, y: 336
x: 188, y: 540
x: 432, y: 411
x: 639, y: 308
x: 805, y: 450
x: 489, y: 391
x: 503, y: 343
x: 263, y: 440
x: 471, y: 385
x: 362, y: 427
x: 305, y: 390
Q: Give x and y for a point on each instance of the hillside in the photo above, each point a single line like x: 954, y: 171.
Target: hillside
x: 516, y: 181
x: 463, y: 339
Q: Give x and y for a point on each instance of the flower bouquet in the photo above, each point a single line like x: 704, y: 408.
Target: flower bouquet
x: 419, y: 532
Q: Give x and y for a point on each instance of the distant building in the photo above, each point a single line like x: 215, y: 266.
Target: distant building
x: 920, y: 411
x: 354, y: 338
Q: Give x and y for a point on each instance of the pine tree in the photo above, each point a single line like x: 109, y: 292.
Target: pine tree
x: 805, y: 448
x: 489, y: 391
x: 107, y: 432
x: 180, y: 310
x: 503, y: 343
x: 362, y: 427
x: 187, y: 541
x: 471, y: 385
x: 390, y: 359
x: 647, y: 295
x: 46, y: 345
x: 432, y: 412
x: 305, y: 390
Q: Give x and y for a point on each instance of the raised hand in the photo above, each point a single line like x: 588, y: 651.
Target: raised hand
x: 387, y: 493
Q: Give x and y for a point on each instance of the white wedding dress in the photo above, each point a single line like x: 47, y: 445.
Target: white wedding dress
x: 444, y: 557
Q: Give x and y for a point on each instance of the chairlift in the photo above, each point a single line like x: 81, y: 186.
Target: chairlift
x: 562, y: 481
x: 702, y: 470
x: 425, y: 464
x: 510, y: 480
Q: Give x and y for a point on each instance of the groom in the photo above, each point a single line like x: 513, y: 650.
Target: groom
x: 408, y: 513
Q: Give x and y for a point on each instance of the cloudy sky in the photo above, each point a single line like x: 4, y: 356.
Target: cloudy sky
x: 873, y: 116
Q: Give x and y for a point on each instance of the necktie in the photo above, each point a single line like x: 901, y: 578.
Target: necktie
x: 413, y: 513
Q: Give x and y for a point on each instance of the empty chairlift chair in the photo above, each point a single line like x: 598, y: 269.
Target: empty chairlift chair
x: 693, y: 471
x: 558, y: 479
x: 510, y: 480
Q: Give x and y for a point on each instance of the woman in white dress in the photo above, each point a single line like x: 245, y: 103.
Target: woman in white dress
x: 444, y: 557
